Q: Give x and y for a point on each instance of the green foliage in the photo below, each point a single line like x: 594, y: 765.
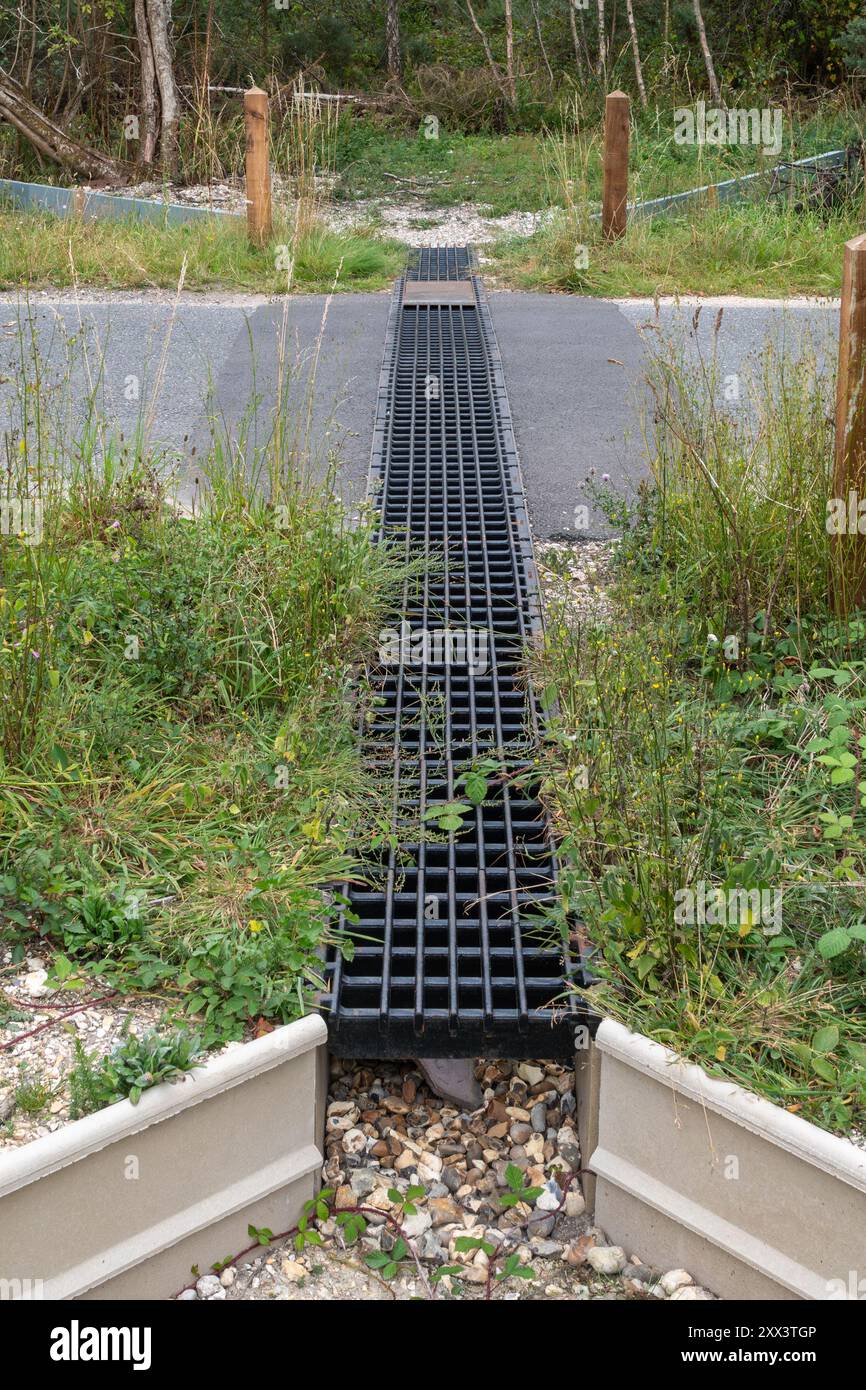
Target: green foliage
x: 708, y: 744
x: 32, y: 1094
x: 172, y: 803
x: 851, y: 44
x: 137, y: 1064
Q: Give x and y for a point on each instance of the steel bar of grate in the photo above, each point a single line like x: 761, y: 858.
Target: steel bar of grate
x: 458, y: 951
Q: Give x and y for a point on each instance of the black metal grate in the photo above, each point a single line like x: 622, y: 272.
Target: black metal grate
x: 442, y: 263
x: 456, y: 953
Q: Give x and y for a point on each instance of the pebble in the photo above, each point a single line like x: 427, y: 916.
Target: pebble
x: 690, y: 1293
x: 550, y: 1199
x: 531, y: 1075
x: 228, y: 1276
x: 606, y: 1259
x: 208, y: 1286
x: 354, y: 1141
x: 675, y: 1279
x: 538, y: 1117
x: 415, y: 1225
x: 363, y: 1181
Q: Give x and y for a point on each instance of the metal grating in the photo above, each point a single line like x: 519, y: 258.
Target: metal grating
x: 442, y: 263
x: 455, y: 952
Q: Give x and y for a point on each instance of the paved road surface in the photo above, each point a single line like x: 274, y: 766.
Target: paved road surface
x: 574, y: 369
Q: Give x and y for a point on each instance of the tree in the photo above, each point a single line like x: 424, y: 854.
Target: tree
x: 501, y: 82
x: 392, y: 39
x: 160, y: 115
x: 602, y: 45
x: 638, y: 70
x: 715, y: 93
x: 509, y: 53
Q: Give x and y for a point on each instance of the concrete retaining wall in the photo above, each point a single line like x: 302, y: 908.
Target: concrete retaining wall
x: 121, y: 1204
x: 699, y: 1173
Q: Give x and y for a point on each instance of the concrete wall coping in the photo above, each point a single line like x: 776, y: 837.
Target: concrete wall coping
x: 836, y: 1156
x: 93, y: 1132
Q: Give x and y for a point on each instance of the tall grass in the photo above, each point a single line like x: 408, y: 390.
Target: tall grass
x: 709, y: 736
x: 37, y: 250
x: 179, y: 772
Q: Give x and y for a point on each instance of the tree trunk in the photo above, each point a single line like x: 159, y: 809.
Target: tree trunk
x: 392, y: 39
x: 149, y: 115
x: 491, y: 61
x: 535, y: 16
x: 159, y: 27
x: 638, y: 71
x: 602, y: 46
x: 50, y: 140
x: 509, y: 53
x: 715, y: 93
x: 574, y: 39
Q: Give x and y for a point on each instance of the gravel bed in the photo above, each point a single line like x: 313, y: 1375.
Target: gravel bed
x: 387, y: 1131
x: 412, y: 220
x: 39, y: 1066
x: 574, y: 577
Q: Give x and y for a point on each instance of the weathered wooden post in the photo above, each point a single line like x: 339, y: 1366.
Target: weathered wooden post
x: 849, y: 467
x: 258, y: 173
x: 614, y: 202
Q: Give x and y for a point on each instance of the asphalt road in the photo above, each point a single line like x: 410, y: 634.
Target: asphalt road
x: 574, y: 368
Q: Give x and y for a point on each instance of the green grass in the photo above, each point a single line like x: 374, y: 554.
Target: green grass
x: 712, y: 733
x: 516, y: 173
x: 180, y: 775
x: 38, y: 250
x: 748, y: 249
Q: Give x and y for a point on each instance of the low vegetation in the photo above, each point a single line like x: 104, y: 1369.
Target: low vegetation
x: 38, y: 250
x: 180, y: 785
x: 707, y: 770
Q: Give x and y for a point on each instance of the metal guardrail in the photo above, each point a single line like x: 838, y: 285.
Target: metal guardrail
x: 93, y: 205
x: 729, y: 190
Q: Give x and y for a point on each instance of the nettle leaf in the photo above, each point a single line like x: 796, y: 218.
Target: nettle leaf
x: 825, y: 1039
x: 858, y: 931
x: 841, y: 776
x: 833, y: 942
x: 839, y: 734
x: 514, y: 1177
x: 476, y: 787
x: 817, y: 745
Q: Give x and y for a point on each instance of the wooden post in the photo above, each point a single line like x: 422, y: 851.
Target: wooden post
x: 614, y: 202
x: 258, y: 174
x: 849, y: 468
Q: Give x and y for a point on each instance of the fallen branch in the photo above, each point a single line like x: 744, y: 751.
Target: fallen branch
x: 51, y: 140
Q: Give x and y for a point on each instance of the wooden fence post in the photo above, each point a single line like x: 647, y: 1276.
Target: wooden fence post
x: 849, y: 465
x: 258, y: 174
x: 614, y: 202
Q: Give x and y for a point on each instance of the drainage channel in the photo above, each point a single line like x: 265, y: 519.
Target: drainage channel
x: 457, y: 948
